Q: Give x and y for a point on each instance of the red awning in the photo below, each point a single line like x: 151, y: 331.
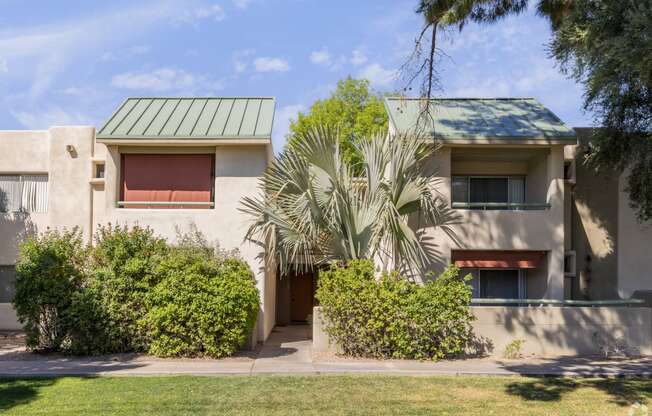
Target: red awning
x: 167, y: 178
x: 497, y: 259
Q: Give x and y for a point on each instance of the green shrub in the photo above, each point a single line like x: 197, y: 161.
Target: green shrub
x: 390, y: 317
x: 123, y: 262
x: 513, y: 350
x: 132, y: 291
x: 50, y: 272
x: 204, y: 305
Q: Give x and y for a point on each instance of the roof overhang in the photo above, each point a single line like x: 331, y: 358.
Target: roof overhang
x: 159, y: 141
x: 506, y: 141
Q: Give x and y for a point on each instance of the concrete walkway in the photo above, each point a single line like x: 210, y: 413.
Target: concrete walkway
x: 288, y: 351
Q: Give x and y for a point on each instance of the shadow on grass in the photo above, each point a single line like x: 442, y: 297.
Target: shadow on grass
x: 14, y: 392
x: 622, y: 391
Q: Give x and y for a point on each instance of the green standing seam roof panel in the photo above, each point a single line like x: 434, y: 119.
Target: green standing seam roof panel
x: 191, y: 118
x: 480, y: 118
x: 265, y: 118
x: 221, y: 117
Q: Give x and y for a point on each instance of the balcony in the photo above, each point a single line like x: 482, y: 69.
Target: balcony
x: 504, y: 206
x: 501, y: 179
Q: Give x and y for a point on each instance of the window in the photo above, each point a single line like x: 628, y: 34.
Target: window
x: 498, y: 283
x: 488, y: 192
x: 23, y: 193
x: 570, y: 263
x: 99, y: 171
x: 7, y: 283
x: 167, y: 181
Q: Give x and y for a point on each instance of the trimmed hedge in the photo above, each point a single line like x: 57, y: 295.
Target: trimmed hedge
x: 202, y: 306
x: 390, y: 317
x: 133, y: 292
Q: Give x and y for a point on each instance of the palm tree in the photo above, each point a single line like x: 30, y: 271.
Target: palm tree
x: 312, y: 210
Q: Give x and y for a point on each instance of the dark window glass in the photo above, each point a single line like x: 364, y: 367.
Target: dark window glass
x: 460, y: 185
x: 489, y: 190
x: 499, y: 284
x: 7, y: 283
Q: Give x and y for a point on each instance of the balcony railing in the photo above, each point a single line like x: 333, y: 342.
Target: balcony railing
x: 554, y: 302
x: 127, y: 204
x: 509, y: 206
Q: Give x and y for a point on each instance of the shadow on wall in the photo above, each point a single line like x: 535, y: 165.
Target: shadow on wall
x: 604, y: 331
x: 15, y: 227
x: 449, y: 220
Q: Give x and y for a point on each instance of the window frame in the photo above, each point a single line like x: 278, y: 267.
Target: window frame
x: 507, y: 205
x: 522, y: 281
x: 165, y: 206
x: 21, y: 179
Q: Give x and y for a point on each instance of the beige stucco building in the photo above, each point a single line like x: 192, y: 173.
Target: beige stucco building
x: 531, y: 215
x: 534, y: 222
x: 209, y: 152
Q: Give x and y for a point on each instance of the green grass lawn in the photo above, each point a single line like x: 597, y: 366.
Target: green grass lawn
x: 320, y: 395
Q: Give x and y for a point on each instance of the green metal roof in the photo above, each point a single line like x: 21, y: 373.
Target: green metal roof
x: 469, y: 119
x: 191, y: 118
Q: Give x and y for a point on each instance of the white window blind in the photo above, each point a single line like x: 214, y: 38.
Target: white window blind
x: 517, y: 189
x: 23, y: 193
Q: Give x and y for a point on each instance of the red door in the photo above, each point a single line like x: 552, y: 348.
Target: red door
x: 301, y: 296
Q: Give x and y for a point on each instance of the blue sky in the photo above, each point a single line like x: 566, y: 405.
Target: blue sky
x: 74, y: 62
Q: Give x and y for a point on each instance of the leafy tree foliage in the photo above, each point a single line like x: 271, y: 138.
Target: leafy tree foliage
x: 604, y: 44
x: 356, y: 110
x: 607, y: 46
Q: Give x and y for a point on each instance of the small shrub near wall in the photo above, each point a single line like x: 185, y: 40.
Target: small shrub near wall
x: 51, y: 271
x: 132, y: 291
x: 124, y: 260
x: 203, y: 305
x: 390, y: 317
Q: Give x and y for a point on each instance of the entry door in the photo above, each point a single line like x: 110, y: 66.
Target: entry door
x: 301, y: 295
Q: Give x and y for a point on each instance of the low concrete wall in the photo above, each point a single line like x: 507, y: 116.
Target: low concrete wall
x: 8, y: 319
x: 558, y: 331
x: 320, y: 340
x: 547, y: 331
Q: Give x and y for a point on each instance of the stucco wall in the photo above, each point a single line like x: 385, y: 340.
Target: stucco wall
x: 237, y: 170
x: 546, y: 331
x: 634, y: 241
x: 559, y: 331
x: 45, y: 152
x: 8, y: 319
x: 594, y: 225
x: 75, y: 199
x: 508, y: 230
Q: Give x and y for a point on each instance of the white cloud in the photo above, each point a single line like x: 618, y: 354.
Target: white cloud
x: 45, y: 52
x: 165, y: 79
x: 240, y: 60
x: 52, y: 116
x: 127, y: 53
x: 358, y: 58
x: 282, y: 124
x: 214, y: 11
x: 242, y: 4
x: 3, y: 65
x: 271, y: 65
x: 378, y: 76
x: 321, y: 57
